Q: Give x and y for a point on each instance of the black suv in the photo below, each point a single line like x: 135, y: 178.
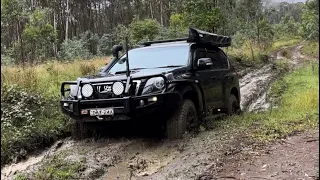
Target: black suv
x: 180, y: 81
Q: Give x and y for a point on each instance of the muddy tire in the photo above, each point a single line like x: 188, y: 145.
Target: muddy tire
x: 81, y: 131
x: 177, y: 124
x: 233, y: 106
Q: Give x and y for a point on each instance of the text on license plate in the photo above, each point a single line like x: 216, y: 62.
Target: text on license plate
x: 101, y: 112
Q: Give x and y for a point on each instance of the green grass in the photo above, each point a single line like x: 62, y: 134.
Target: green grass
x: 20, y: 177
x: 47, y: 78
x: 248, y: 54
x: 298, y: 108
x: 284, y: 42
x: 311, y: 49
x: 58, y: 167
x: 251, y: 55
x: 282, y: 65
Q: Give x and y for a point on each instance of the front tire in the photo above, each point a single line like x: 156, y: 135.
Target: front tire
x: 181, y: 119
x: 81, y: 131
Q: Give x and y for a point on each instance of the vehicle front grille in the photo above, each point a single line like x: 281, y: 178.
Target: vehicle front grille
x: 104, y: 90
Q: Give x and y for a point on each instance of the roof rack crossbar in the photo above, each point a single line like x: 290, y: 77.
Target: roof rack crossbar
x: 148, y: 43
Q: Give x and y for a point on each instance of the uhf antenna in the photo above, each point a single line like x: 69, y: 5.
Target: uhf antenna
x: 127, y: 61
x: 128, y: 84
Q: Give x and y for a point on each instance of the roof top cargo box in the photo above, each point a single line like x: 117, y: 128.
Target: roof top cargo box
x: 199, y: 36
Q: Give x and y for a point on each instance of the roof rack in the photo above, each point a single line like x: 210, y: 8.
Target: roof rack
x: 199, y: 36
x: 148, y: 43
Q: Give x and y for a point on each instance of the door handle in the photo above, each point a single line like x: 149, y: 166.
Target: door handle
x: 214, y: 77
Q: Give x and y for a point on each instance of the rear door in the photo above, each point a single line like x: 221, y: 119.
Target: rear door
x: 227, y: 77
x: 216, y: 78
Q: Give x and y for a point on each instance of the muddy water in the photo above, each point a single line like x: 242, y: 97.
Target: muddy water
x: 140, y: 158
x: 253, y: 85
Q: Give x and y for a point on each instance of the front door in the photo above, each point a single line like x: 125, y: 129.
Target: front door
x: 210, y: 81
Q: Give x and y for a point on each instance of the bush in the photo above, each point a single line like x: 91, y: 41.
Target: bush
x: 144, y: 29
x: 263, y: 57
x: 74, y: 49
x: 282, y: 65
x: 311, y: 48
x: 6, y: 60
x: 238, y: 39
x: 248, y: 53
x: 90, y: 42
x: 105, y: 44
x: 87, y: 69
x: 28, y: 122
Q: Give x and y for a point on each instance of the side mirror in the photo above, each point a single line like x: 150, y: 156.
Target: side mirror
x: 204, y: 63
x: 115, y: 50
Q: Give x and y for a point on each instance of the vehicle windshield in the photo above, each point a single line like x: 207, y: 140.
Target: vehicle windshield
x: 153, y: 57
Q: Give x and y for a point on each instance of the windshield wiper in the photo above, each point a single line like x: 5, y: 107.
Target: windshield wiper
x: 169, y: 66
x: 120, y: 72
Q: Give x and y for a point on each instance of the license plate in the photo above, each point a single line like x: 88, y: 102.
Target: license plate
x: 101, y: 112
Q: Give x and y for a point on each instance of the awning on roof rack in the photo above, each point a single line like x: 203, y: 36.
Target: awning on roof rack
x: 198, y: 36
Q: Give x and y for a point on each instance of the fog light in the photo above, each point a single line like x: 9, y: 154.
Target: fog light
x: 153, y: 99
x: 65, y: 104
x: 141, y: 103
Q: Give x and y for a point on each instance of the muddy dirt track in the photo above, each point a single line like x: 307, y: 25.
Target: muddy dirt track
x: 135, y: 157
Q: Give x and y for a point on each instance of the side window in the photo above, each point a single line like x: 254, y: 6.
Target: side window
x: 215, y: 59
x: 223, y: 59
x: 198, y: 53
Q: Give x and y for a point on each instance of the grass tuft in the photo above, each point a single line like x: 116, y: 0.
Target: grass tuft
x: 284, y: 42
x: 57, y: 167
x: 311, y: 49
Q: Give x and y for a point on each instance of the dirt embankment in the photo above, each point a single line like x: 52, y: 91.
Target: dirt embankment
x: 143, y: 158
x: 296, y: 157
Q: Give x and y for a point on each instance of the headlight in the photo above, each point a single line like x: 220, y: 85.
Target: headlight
x: 87, y: 90
x: 117, y: 88
x: 155, y: 84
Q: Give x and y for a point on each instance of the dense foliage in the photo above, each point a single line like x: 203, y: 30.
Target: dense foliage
x: 38, y: 30
x: 28, y: 121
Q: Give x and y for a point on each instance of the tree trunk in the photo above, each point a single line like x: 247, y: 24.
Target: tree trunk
x: 161, y: 13
x: 151, y: 12
x: 21, y: 45
x: 67, y: 20
x: 55, y: 30
x: 252, y: 54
